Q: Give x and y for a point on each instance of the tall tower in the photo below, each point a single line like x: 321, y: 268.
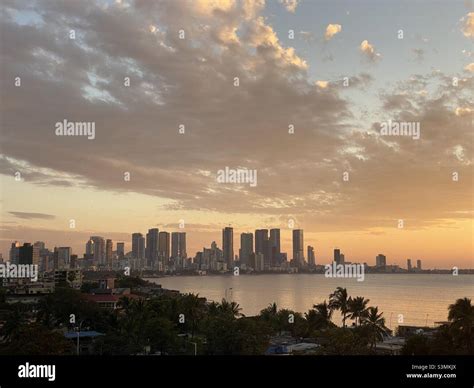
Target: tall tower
x: 337, y: 256
x: 120, y: 250
x: 178, y: 245
x: 151, y: 250
x: 274, y: 249
x: 98, y: 249
x: 246, y: 248
x: 298, y: 246
x: 164, y: 246
x: 138, y: 248
x: 228, y: 246
x: 311, y: 258
x: 108, y: 252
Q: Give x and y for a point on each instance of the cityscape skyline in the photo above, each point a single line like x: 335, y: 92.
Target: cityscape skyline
x: 162, y: 245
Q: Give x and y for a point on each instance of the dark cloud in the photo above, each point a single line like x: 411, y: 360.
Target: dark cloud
x: 30, y: 216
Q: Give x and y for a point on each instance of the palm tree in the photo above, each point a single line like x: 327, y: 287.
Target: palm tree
x: 231, y: 308
x: 194, y: 307
x: 339, y: 300
x: 376, y: 325
x: 319, y: 316
x: 461, y: 317
x: 357, y: 308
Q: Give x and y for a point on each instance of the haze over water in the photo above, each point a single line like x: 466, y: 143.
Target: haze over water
x: 421, y: 298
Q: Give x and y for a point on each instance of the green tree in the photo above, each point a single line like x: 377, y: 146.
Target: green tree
x: 339, y: 300
x: 461, y: 318
x: 357, y: 308
x: 319, y: 317
x: 375, y: 324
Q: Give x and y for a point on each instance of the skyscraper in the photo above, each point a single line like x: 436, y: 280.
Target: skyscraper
x: 108, y: 253
x: 409, y: 267
x: 261, y: 237
x: 63, y: 256
x: 380, y: 260
x: 120, y: 250
x: 418, y: 265
x: 151, y: 250
x: 98, y: 249
x: 90, y: 248
x: 178, y: 245
x: 246, y: 248
x: 138, y: 248
x: 228, y: 246
x: 164, y: 246
x: 311, y: 258
x: 337, y: 256
x: 274, y: 249
x: 25, y: 254
x: 15, y: 252
x: 298, y: 247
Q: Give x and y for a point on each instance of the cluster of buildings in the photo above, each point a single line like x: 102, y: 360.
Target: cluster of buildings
x: 165, y: 252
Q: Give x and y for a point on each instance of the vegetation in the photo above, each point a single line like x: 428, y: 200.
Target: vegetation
x: 455, y: 337
x: 184, y: 324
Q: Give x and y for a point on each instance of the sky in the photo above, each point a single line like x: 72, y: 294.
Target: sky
x: 236, y: 75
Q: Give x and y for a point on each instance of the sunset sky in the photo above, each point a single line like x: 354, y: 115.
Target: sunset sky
x: 426, y: 77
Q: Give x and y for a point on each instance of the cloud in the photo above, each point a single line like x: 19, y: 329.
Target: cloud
x: 30, y: 216
x: 322, y: 84
x: 468, y: 25
x: 463, y: 111
x: 469, y: 68
x: 419, y: 54
x: 331, y: 30
x: 190, y: 82
x: 290, y: 5
x: 369, y: 50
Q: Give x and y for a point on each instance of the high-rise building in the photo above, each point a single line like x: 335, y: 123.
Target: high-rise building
x: 246, y: 248
x: 418, y: 265
x: 98, y: 249
x: 25, y: 254
x: 261, y: 238
x: 138, y: 249
x: 409, y: 267
x: 164, y: 246
x: 311, y: 258
x: 337, y: 256
x: 15, y: 252
x: 228, y: 246
x: 40, y: 245
x: 120, y: 250
x: 108, y: 252
x: 380, y: 260
x: 178, y: 245
x: 38, y: 249
x: 151, y: 250
x: 63, y: 255
x: 298, y: 247
x: 274, y: 248
x: 343, y: 258
x: 259, y: 262
x: 90, y: 248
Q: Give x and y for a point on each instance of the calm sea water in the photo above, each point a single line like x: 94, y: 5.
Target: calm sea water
x: 422, y: 299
